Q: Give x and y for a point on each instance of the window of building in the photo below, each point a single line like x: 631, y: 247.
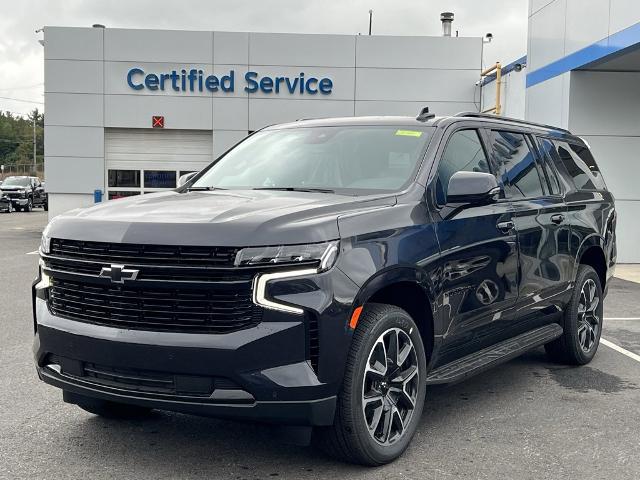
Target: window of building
x: 463, y: 152
x: 115, y: 194
x: 160, y: 179
x: 124, y: 178
x: 516, y: 165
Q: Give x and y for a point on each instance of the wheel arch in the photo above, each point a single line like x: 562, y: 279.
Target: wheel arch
x: 592, y: 253
x: 404, y: 288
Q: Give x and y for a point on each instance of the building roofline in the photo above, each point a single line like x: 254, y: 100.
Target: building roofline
x: 505, y: 70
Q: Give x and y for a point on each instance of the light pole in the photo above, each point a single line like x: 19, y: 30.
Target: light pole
x: 35, y: 117
x: 370, y: 20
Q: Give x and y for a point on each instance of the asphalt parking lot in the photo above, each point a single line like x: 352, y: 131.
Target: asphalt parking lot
x: 528, y: 419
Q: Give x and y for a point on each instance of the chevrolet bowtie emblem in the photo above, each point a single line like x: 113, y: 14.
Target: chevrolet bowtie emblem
x: 118, y: 273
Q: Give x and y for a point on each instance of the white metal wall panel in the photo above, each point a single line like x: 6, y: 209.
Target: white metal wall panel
x: 158, y: 45
x: 587, y: 22
x: 546, y: 35
x: 74, y: 109
x: 301, y: 49
x: 153, y: 149
x: 128, y: 111
x: 231, y: 47
x: 623, y: 14
x: 68, y: 43
x: 418, y: 52
x: 263, y: 111
x: 73, y: 76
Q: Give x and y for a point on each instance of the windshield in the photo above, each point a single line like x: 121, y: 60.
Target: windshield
x: 16, y: 182
x: 349, y: 159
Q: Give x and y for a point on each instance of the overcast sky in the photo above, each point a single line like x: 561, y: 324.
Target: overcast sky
x: 21, y: 57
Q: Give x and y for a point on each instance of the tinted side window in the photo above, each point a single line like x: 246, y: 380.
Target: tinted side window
x: 463, y: 152
x: 516, y: 165
x: 546, y: 147
x: 580, y: 166
x: 584, y: 156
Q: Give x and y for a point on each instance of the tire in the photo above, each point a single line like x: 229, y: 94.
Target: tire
x: 350, y: 438
x: 45, y: 206
x: 29, y: 206
x: 114, y: 410
x: 582, y: 329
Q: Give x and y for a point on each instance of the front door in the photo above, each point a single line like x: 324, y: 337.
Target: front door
x: 477, y: 273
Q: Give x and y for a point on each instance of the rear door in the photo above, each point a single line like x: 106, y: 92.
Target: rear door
x: 477, y: 271
x: 37, y: 191
x: 540, y: 223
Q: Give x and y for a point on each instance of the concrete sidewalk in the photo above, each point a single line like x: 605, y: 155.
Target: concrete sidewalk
x: 628, y: 271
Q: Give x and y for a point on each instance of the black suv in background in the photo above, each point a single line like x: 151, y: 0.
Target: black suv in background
x: 25, y: 193
x: 322, y: 273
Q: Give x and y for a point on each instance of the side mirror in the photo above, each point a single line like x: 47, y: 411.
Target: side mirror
x: 185, y: 178
x: 473, y: 188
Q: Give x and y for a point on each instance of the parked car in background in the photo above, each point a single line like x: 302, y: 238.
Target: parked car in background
x: 25, y: 193
x: 5, y: 203
x: 322, y: 273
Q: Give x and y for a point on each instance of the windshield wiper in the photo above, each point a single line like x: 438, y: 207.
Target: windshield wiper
x: 203, y: 189
x: 297, y: 189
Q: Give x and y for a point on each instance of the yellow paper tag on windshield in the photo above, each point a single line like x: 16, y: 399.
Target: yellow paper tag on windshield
x: 408, y: 133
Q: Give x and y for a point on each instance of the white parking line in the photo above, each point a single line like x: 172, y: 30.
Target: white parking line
x: 619, y: 349
x: 622, y: 318
x: 35, y: 252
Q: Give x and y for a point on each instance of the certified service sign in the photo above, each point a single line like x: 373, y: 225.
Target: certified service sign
x: 195, y: 80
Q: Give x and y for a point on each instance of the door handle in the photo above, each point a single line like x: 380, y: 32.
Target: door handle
x: 506, y: 227
x: 557, y: 218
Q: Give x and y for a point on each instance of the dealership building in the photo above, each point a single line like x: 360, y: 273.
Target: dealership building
x: 128, y: 111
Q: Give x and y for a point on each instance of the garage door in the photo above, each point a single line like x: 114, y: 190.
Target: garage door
x: 143, y: 160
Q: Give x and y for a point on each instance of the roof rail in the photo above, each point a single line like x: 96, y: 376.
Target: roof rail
x: 509, y: 119
x: 424, y: 115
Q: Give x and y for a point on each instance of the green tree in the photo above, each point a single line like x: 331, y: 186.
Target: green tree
x: 16, y: 138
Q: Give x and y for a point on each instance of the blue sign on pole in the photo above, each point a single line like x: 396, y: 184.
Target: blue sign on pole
x: 195, y: 80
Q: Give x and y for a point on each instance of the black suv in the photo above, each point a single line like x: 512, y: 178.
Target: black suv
x: 322, y: 273
x: 25, y: 193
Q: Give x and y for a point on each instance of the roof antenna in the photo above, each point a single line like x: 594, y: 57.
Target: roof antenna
x: 424, y: 115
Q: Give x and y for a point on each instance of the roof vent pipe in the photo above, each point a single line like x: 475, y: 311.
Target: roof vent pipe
x: 447, y: 19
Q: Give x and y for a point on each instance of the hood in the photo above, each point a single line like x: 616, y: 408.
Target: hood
x: 221, y: 218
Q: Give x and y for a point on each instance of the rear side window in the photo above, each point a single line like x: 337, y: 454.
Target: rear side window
x: 579, y: 164
x: 463, y: 152
x: 547, y: 147
x: 516, y: 165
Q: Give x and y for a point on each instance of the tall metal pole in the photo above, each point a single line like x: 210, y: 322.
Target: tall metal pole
x: 35, y: 117
x: 370, y: 20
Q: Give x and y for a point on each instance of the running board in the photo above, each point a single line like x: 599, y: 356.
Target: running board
x: 500, y: 352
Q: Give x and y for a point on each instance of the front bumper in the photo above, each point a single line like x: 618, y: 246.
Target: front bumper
x: 266, y: 369
x: 19, y: 202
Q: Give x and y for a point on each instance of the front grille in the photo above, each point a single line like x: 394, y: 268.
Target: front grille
x: 155, y: 272
x: 14, y: 195
x: 183, y: 309
x: 141, y: 254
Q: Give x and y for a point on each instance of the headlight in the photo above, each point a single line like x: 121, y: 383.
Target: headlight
x: 45, y: 241
x: 324, y: 253
x: 321, y: 256
x: 45, y: 280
